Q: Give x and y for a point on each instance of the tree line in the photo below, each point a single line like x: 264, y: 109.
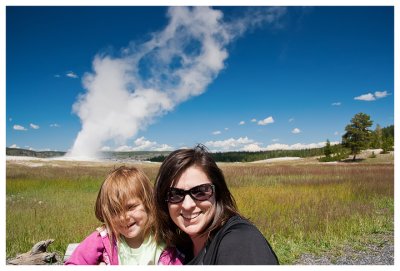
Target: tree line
x: 359, y: 137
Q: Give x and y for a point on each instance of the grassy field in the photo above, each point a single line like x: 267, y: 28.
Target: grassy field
x: 300, y: 207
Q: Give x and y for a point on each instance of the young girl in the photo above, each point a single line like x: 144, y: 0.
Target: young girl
x: 125, y: 207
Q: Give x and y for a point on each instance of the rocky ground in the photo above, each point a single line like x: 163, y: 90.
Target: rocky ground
x: 379, y: 252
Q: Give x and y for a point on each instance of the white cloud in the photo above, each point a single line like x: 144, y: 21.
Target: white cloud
x: 126, y: 93
x: 297, y: 146
x: 337, y: 104
x: 296, y: 131
x: 242, y: 122
x: 372, y: 97
x: 216, y: 132
x: 275, y: 140
x: 231, y: 144
x: 253, y: 120
x: 291, y: 119
x: 19, y: 128
x: 164, y: 147
x: 57, y: 76
x: 246, y: 144
x: 56, y: 125
x: 381, y: 94
x: 266, y: 121
x: 252, y: 148
x: 226, y: 129
x: 15, y: 146
x: 34, y: 126
x: 71, y: 74
x: 105, y: 148
x: 142, y: 144
x: 336, y: 133
x: 365, y: 97
x: 123, y: 148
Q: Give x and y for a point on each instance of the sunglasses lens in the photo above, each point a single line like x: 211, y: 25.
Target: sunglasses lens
x: 202, y: 192
x: 175, y: 195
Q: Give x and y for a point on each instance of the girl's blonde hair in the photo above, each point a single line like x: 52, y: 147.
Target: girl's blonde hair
x: 120, y: 186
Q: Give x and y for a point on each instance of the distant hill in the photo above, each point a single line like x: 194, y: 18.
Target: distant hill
x: 30, y: 153
x: 135, y: 155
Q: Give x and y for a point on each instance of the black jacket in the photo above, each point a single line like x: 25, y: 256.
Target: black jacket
x: 237, y: 242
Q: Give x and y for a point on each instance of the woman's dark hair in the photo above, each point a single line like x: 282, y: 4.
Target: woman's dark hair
x: 170, y: 171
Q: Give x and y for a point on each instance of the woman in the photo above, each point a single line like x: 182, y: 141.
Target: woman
x: 197, y: 214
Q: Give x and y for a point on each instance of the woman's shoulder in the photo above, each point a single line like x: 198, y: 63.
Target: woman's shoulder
x: 239, y: 223
x: 240, y: 233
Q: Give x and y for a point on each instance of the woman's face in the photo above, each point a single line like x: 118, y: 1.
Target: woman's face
x: 191, y: 215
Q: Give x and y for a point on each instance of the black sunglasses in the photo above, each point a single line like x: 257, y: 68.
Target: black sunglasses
x: 201, y: 193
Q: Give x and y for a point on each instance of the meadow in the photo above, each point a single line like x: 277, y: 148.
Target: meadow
x: 299, y: 207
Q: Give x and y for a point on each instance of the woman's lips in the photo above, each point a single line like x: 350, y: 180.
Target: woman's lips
x: 190, y: 216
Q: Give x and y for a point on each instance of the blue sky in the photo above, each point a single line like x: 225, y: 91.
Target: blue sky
x: 289, y: 77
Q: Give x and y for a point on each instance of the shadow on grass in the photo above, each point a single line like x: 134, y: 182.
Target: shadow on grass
x: 351, y: 160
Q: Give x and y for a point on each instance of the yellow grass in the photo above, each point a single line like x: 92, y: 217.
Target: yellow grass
x: 298, y: 207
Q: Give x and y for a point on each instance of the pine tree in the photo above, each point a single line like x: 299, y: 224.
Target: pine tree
x: 357, y: 136
x: 328, y: 149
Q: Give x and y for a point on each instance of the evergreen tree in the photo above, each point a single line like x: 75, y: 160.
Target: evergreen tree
x: 357, y: 136
x: 387, y: 144
x: 376, y: 141
x: 328, y: 149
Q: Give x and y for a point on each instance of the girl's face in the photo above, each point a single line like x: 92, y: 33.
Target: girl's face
x: 132, y: 225
x: 190, y: 215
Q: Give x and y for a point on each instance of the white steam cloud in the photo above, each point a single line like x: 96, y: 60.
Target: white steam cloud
x: 125, y: 94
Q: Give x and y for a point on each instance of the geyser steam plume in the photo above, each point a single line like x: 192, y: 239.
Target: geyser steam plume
x: 125, y: 94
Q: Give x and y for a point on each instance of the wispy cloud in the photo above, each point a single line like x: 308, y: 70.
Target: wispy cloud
x: 247, y: 144
x: 57, y: 76
x: 71, y: 74
x: 365, y: 97
x: 54, y: 125
x: 34, y: 126
x: 266, y: 121
x: 291, y: 119
x: 337, y: 104
x: 296, y: 131
x: 216, y: 132
x: 15, y: 146
x: 253, y: 120
x: 230, y: 144
x: 381, y: 94
x: 372, y: 97
x: 142, y: 144
x: 105, y: 148
x: 19, y: 128
x: 150, y: 78
x: 242, y: 122
x: 297, y: 146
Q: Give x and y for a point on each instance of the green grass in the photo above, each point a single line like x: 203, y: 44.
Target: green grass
x: 299, y: 208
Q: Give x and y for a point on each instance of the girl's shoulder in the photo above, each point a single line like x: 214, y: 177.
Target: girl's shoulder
x: 102, y: 231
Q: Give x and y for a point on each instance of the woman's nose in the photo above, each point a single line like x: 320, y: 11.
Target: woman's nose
x: 188, y: 202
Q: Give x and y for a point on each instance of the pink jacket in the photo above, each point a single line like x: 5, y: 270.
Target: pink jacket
x: 96, y: 249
